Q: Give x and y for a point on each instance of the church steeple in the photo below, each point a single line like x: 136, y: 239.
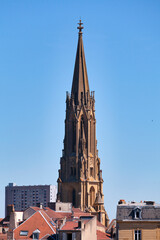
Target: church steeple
x: 80, y: 177
x: 80, y: 85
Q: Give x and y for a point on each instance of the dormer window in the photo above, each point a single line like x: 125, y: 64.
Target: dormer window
x: 36, y: 234
x: 137, y: 213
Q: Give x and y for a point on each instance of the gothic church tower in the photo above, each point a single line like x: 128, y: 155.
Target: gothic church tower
x: 80, y: 177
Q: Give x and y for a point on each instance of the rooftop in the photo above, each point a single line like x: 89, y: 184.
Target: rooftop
x: 138, y: 211
x: 123, y: 203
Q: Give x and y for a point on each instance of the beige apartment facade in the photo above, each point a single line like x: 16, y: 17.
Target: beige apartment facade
x: 138, y: 221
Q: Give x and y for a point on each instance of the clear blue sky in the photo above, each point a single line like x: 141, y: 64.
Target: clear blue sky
x: 38, y: 41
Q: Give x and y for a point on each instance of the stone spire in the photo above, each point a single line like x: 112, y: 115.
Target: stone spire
x: 80, y: 85
x: 80, y: 176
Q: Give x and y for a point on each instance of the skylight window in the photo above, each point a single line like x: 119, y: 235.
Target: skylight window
x: 52, y: 223
x: 23, y: 233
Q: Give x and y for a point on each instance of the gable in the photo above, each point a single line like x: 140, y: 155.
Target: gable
x: 39, y: 221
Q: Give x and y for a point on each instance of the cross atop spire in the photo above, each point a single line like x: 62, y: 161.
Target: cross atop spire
x: 80, y: 26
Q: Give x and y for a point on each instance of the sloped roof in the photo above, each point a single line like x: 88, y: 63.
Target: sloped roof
x: 100, y: 224
x: 102, y: 235
x: 148, y: 212
x: 111, y: 225
x: 39, y: 220
x: 35, y: 208
x: 57, y: 215
x: 70, y: 225
x: 99, y: 199
x: 77, y: 212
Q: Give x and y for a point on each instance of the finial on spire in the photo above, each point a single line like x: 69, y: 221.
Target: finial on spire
x: 80, y: 27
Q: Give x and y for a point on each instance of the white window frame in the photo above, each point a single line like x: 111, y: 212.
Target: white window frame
x: 138, y: 232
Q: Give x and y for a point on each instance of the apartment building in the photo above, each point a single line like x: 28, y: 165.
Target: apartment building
x: 138, y: 221
x: 24, y: 196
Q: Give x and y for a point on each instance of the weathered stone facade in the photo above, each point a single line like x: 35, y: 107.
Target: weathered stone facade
x: 80, y: 177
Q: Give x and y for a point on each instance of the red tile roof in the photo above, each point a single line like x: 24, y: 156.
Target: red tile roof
x: 35, y: 208
x: 111, y: 225
x: 71, y: 225
x: 102, y: 235
x: 57, y: 215
x: 39, y: 220
x: 77, y: 212
x: 100, y: 224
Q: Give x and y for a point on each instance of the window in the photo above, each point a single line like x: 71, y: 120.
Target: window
x: 92, y: 196
x: 82, y: 127
x: 69, y: 236
x: 36, y: 234
x: 137, y: 213
x: 23, y: 233
x: 74, y: 197
x: 91, y: 171
x: 74, y: 236
x: 73, y: 171
x: 137, y: 235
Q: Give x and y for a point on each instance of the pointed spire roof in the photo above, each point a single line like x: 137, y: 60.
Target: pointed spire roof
x: 99, y: 199
x: 80, y: 83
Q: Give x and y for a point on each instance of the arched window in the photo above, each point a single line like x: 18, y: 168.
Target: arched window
x: 71, y: 171
x: 92, y: 196
x: 82, y: 126
x: 74, y: 197
x: 91, y: 171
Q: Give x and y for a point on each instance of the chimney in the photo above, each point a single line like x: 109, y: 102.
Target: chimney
x: 13, y: 221
x: 40, y: 205
x: 52, y: 205
x: 122, y: 201
x: 10, y: 208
